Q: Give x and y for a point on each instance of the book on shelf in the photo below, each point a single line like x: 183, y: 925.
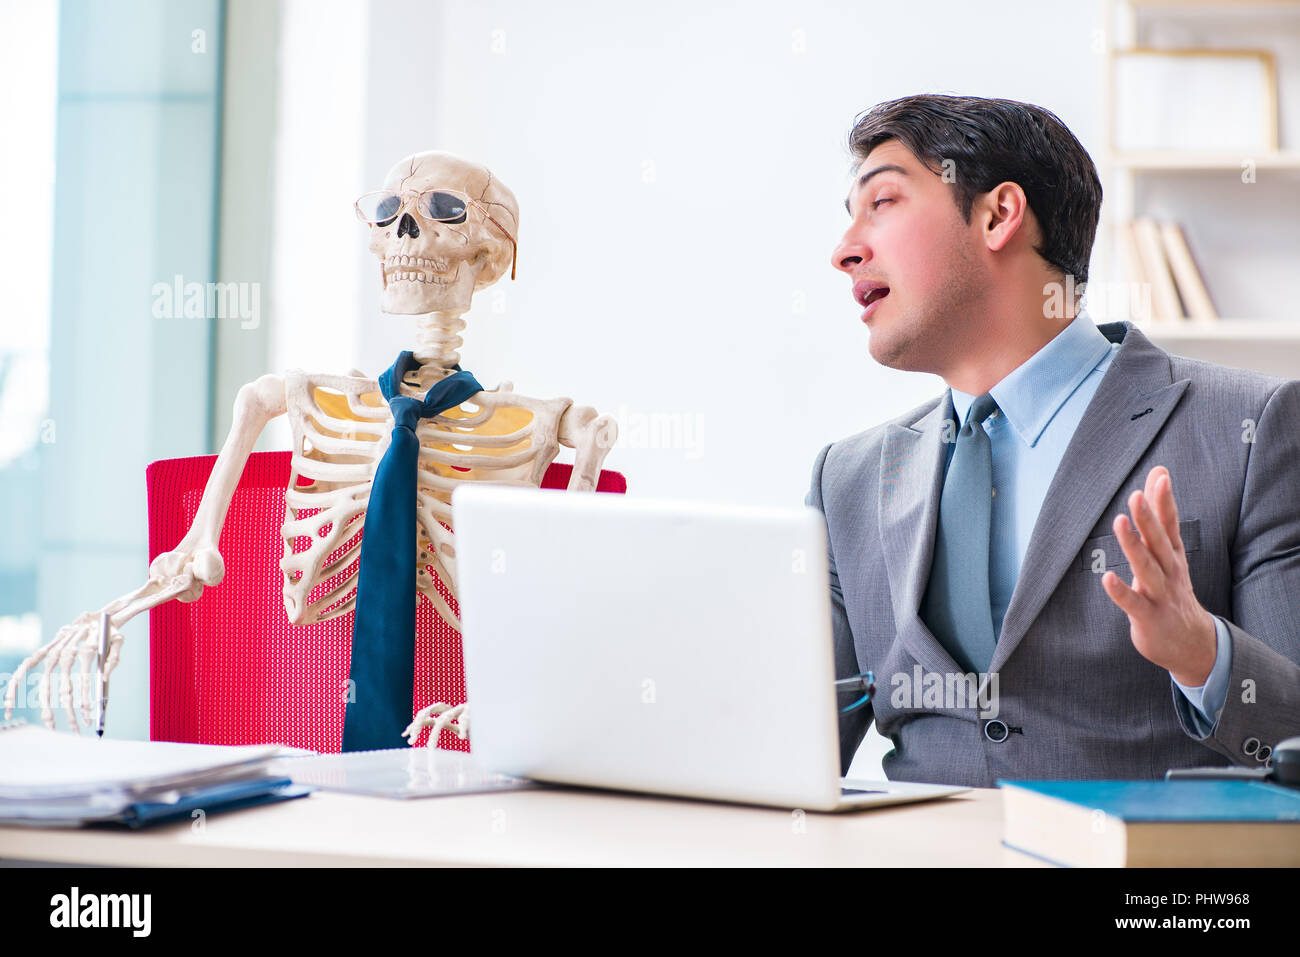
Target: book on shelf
x: 1131, y: 256
x: 1165, y: 304
x: 1156, y: 255
x: 1191, y: 286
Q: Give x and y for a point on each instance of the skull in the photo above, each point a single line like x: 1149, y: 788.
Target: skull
x: 429, y: 266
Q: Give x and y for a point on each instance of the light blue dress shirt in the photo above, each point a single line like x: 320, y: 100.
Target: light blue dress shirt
x: 1040, y: 404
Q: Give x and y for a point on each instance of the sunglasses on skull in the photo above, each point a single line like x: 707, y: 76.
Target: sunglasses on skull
x: 442, y: 205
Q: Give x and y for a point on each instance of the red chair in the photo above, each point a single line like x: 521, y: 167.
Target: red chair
x: 229, y: 668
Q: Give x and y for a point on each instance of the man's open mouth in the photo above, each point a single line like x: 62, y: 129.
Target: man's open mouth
x: 867, y: 291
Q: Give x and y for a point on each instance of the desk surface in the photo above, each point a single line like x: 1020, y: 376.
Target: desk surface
x: 544, y: 827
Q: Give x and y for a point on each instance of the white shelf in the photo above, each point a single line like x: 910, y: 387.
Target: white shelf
x: 1271, y: 345
x: 1165, y: 161
x: 1237, y: 330
x: 1216, y: 6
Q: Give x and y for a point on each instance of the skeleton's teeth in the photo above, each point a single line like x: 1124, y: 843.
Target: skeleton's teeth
x: 439, y: 272
x: 437, y: 265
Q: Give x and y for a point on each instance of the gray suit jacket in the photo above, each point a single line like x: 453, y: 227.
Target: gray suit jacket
x: 1077, y: 699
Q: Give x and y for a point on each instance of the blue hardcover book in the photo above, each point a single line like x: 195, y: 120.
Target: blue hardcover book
x: 1174, y: 823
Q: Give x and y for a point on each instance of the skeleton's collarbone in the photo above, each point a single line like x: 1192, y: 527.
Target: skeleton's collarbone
x: 494, y: 414
x: 343, y: 405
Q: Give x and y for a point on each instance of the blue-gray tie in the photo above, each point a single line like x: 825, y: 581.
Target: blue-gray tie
x: 382, y: 670
x: 956, y: 607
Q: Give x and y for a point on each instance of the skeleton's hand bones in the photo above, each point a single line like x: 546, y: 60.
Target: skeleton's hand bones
x: 80, y: 641
x: 181, y: 574
x: 439, y: 716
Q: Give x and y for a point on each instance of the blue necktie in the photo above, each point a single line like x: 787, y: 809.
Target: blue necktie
x: 957, y: 608
x: 383, y: 627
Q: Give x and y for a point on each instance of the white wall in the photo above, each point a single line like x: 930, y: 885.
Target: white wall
x: 681, y: 170
x: 320, y: 110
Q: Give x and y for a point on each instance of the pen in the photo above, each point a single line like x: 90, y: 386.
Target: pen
x: 103, y: 679
x: 864, y: 683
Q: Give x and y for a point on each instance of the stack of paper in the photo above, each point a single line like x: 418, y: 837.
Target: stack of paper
x: 56, y: 778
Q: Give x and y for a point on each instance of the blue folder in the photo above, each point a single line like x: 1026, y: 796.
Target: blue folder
x: 213, y: 799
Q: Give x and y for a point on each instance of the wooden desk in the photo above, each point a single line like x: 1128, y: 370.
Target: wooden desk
x: 553, y: 827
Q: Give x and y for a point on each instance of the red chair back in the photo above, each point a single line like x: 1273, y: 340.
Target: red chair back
x: 229, y: 668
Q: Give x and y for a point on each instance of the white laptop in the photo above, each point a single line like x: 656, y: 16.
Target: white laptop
x: 657, y: 646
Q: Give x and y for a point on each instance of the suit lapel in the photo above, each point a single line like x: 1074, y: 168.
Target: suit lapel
x: 1132, y: 403
x: 912, y: 461
x: 1135, y: 397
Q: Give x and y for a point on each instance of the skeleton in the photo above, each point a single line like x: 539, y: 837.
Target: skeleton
x: 341, y: 428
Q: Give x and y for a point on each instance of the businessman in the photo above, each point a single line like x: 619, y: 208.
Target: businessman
x: 1100, y: 537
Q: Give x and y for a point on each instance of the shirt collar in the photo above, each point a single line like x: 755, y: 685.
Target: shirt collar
x: 1035, y: 390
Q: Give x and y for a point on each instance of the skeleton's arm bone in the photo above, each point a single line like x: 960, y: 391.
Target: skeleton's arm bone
x: 592, y: 436
x: 256, y: 404
x: 181, y: 573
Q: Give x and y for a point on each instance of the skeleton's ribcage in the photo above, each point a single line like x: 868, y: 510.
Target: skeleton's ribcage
x: 341, y: 429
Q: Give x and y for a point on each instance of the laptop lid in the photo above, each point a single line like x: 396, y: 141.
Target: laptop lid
x: 649, y: 645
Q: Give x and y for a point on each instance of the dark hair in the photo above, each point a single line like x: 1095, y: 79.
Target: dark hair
x: 996, y: 141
